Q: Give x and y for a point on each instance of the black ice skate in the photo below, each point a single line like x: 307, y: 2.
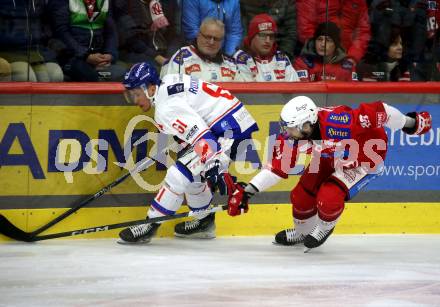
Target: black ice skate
x: 138, y: 234
x: 319, y: 235
x: 289, y: 237
x: 197, y: 229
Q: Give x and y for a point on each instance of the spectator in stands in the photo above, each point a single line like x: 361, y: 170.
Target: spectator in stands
x: 87, y: 29
x: 228, y: 11
x: 323, y: 58
x: 204, y: 58
x: 146, y: 30
x: 385, y: 64
x: 23, y: 42
x: 283, y: 13
x: 5, y: 70
x: 260, y: 60
x: 386, y: 15
x: 424, y: 42
x: 351, y: 16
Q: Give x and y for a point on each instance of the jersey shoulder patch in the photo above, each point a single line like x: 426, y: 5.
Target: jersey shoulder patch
x: 280, y: 56
x: 183, y: 54
x: 242, y: 57
x: 175, y: 89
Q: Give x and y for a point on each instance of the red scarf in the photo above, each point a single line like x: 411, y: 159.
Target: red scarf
x: 90, y: 7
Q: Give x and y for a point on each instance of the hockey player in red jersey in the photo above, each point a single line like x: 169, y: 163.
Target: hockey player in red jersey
x: 348, y: 147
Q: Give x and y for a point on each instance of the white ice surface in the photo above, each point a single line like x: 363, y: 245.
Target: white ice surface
x: 350, y: 271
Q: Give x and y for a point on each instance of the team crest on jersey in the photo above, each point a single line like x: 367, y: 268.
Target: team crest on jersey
x: 183, y: 54
x: 339, y: 118
x: 242, y: 58
x: 280, y: 74
x: 192, y: 68
x: 175, y: 89
x: 226, y: 72
x: 337, y: 133
x: 364, y: 120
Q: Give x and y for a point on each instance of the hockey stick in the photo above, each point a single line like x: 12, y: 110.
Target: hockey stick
x: 10, y: 230
x: 125, y: 224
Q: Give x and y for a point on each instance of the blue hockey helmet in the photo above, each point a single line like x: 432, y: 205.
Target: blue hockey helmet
x: 141, y: 74
x: 137, y: 80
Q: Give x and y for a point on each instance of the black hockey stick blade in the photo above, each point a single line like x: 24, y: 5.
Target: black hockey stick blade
x: 10, y: 230
x: 124, y: 224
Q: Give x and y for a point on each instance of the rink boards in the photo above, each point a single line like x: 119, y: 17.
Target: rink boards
x: 264, y: 219
x: 46, y: 166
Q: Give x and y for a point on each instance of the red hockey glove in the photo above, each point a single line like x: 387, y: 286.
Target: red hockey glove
x: 423, y: 123
x: 238, y: 201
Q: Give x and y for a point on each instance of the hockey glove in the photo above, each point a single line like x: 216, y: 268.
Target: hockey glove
x: 423, y: 123
x: 238, y: 202
x: 224, y: 182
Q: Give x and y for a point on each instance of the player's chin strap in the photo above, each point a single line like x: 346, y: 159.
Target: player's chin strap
x: 151, y: 98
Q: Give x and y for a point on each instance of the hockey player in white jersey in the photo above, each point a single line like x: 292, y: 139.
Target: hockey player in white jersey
x: 211, y: 121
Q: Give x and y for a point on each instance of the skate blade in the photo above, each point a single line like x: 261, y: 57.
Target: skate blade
x: 199, y: 235
x: 122, y: 242
x: 306, y: 250
x: 290, y: 245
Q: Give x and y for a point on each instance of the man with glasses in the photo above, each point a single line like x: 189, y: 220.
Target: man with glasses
x: 260, y: 60
x: 204, y: 59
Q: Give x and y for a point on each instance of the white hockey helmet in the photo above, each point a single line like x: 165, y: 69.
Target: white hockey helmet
x: 298, y: 111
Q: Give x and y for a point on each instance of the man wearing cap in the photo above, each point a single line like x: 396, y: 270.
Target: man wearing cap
x: 259, y: 60
x: 323, y: 58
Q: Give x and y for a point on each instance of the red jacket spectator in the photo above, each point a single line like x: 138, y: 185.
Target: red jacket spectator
x: 351, y: 17
x: 317, y: 53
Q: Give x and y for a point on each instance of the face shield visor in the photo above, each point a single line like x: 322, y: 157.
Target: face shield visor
x: 138, y: 94
x: 296, y: 132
